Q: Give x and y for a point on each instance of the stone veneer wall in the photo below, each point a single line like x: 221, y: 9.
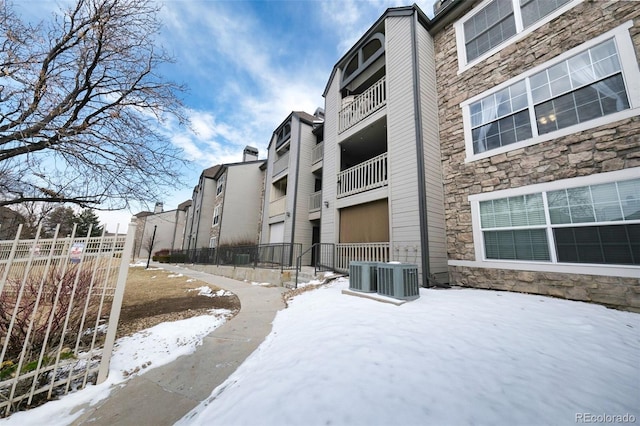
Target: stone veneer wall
x: 614, y: 146
x: 218, y: 200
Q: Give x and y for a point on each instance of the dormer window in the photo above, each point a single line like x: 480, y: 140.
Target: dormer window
x: 362, y: 58
x: 283, y: 134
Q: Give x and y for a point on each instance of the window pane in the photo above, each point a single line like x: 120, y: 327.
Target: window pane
x: 533, y: 11
x: 489, y: 27
x: 596, y: 100
x: 629, y: 192
x: 559, y: 215
x: 535, y: 209
x: 611, y: 244
x: 527, y: 244
x: 605, y: 193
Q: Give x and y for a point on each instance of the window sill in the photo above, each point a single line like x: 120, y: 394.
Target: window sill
x: 624, y: 271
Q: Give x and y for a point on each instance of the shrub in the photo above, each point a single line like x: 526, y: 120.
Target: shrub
x: 57, y: 302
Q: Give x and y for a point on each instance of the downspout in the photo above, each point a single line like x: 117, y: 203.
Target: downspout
x: 175, y: 229
x: 295, y: 193
x: 422, y: 190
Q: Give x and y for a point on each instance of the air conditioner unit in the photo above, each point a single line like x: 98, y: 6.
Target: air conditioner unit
x: 362, y: 276
x: 398, y: 280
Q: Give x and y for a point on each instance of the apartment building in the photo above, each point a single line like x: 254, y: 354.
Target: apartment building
x: 159, y: 229
x: 293, y: 182
x: 200, y: 213
x: 237, y: 204
x: 539, y: 118
x: 382, y: 190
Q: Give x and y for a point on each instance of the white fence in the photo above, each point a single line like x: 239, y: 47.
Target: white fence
x: 60, y: 302
x: 367, y: 175
x: 281, y: 164
x: 315, y: 201
x: 317, y: 153
x: 277, y: 207
x: 360, y: 252
x: 363, y: 105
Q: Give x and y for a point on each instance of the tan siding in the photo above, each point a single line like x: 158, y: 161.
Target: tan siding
x: 306, y: 181
x: 432, y: 157
x: 241, y: 209
x: 331, y: 163
x: 271, y: 155
x: 403, y: 171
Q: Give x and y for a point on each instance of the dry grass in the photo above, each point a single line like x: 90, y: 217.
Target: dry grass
x: 154, y: 296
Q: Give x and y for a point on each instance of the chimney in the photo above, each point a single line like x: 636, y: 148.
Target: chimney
x: 249, y: 154
x: 159, y: 208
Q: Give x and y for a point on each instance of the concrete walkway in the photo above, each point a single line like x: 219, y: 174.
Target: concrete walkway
x: 165, y: 394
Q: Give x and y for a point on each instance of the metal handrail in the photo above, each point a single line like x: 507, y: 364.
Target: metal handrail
x: 315, y: 266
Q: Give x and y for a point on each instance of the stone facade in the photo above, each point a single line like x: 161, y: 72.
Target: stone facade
x: 610, y: 147
x: 218, y: 202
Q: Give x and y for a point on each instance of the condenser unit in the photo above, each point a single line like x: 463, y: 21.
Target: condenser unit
x: 398, y: 280
x: 362, y: 276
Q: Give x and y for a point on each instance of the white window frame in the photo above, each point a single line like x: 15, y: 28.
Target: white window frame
x: 630, y: 73
x: 216, y: 216
x: 213, y: 242
x: 521, y: 32
x: 632, y: 271
x: 219, y: 184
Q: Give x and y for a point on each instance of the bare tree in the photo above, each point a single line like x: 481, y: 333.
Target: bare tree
x: 81, y: 104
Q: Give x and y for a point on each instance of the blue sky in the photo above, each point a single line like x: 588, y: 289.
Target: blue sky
x: 246, y: 66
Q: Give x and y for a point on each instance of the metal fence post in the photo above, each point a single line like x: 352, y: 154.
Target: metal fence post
x: 114, y: 317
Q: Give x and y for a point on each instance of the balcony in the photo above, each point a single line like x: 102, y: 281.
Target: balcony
x: 281, y: 164
x: 317, y: 153
x: 278, y: 206
x: 360, y: 252
x: 315, y: 201
x: 367, y: 175
x: 363, y: 105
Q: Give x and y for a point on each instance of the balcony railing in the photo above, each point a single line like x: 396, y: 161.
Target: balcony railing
x: 281, y: 164
x: 277, y: 207
x: 317, y: 153
x: 368, y: 175
x: 315, y: 201
x: 360, y: 252
x: 363, y: 105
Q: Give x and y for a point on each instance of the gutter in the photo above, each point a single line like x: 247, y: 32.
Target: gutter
x: 295, y: 193
x: 422, y: 190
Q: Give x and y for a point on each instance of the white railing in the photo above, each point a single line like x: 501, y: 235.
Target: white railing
x: 60, y: 302
x: 363, y: 105
x: 317, y: 152
x: 367, y: 175
x: 315, y: 201
x: 281, y: 164
x: 277, y: 207
x: 360, y: 252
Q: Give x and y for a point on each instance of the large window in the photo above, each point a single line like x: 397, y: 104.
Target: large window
x: 220, y: 185
x: 216, y: 216
x: 489, y: 26
x: 596, y: 224
x: 589, y: 86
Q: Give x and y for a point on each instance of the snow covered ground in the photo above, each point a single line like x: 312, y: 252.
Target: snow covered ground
x: 452, y: 357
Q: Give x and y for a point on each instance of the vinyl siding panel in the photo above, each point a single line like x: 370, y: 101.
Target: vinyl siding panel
x: 241, y: 207
x: 271, y: 155
x: 331, y: 163
x: 403, y: 171
x: 204, y: 217
x: 432, y: 156
x: 306, y: 181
